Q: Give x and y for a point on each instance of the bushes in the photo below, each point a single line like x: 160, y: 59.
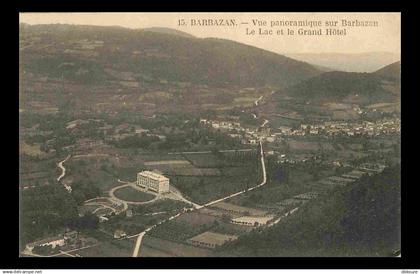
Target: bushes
x: 159, y: 206
x: 44, y: 210
x: 84, y: 190
x: 43, y: 250
x: 88, y: 221
x: 136, y: 142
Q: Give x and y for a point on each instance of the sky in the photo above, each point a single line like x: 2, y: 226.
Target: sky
x: 386, y: 37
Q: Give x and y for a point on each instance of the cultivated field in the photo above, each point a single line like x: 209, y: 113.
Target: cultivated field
x: 172, y: 248
x: 31, y: 150
x: 303, y: 145
x: 208, y: 160
x: 197, y: 219
x: 112, y: 248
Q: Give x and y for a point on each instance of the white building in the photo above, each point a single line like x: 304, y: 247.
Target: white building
x: 53, y: 242
x: 252, y: 220
x: 119, y: 234
x: 153, y: 181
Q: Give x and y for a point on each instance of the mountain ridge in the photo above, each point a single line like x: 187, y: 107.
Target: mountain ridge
x: 349, y: 62
x: 382, y: 85
x: 159, y: 56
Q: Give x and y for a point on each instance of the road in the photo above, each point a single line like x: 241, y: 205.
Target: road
x: 95, y: 202
x: 29, y: 253
x: 91, y: 155
x: 208, y: 151
x: 155, y: 213
x: 259, y: 99
x: 63, y: 173
x: 265, y: 122
x: 174, y: 194
x: 178, y: 195
x: 290, y: 212
x: 63, y: 169
x: 101, y: 206
x: 141, y: 235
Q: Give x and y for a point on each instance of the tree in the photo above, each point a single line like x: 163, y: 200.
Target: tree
x: 42, y: 250
x: 225, y: 218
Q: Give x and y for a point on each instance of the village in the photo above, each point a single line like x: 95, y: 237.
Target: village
x: 326, y: 129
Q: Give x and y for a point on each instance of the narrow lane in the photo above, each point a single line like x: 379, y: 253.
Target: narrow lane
x: 208, y: 151
x: 265, y: 122
x: 63, y: 169
x: 257, y: 101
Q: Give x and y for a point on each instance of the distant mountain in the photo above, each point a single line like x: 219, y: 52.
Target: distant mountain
x: 391, y: 72
x: 358, y: 62
x: 170, y: 31
x: 93, y: 54
x: 323, y: 69
x: 380, y: 86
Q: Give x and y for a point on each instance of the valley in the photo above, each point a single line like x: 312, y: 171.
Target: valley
x: 252, y: 143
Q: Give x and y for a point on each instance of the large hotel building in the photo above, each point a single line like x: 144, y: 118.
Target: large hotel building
x: 153, y: 181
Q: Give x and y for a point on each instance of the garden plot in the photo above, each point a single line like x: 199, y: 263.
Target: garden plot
x: 197, y: 219
x: 114, y: 248
x: 172, y: 248
x: 211, y: 239
x: 181, y: 168
x: 208, y: 160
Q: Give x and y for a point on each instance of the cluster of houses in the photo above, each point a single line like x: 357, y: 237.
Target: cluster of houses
x: 68, y: 238
x: 221, y: 124
x: 247, y: 135
x: 294, y: 159
x: 328, y: 129
x: 337, y: 128
x: 110, y: 133
x: 253, y: 220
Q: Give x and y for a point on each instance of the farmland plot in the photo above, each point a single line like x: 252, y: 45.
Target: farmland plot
x: 173, y: 248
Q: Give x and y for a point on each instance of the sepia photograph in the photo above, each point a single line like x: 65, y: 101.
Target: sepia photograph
x: 209, y: 134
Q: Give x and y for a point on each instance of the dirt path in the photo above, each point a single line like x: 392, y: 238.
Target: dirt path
x: 258, y: 100
x: 63, y: 169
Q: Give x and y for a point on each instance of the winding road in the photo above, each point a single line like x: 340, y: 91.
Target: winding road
x: 141, y: 234
x: 290, y: 212
x: 208, y: 151
x: 63, y: 173
x: 63, y: 169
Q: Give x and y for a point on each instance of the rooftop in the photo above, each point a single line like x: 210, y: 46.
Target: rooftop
x: 233, y: 207
x: 47, y: 240
x: 152, y: 175
x: 251, y: 219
